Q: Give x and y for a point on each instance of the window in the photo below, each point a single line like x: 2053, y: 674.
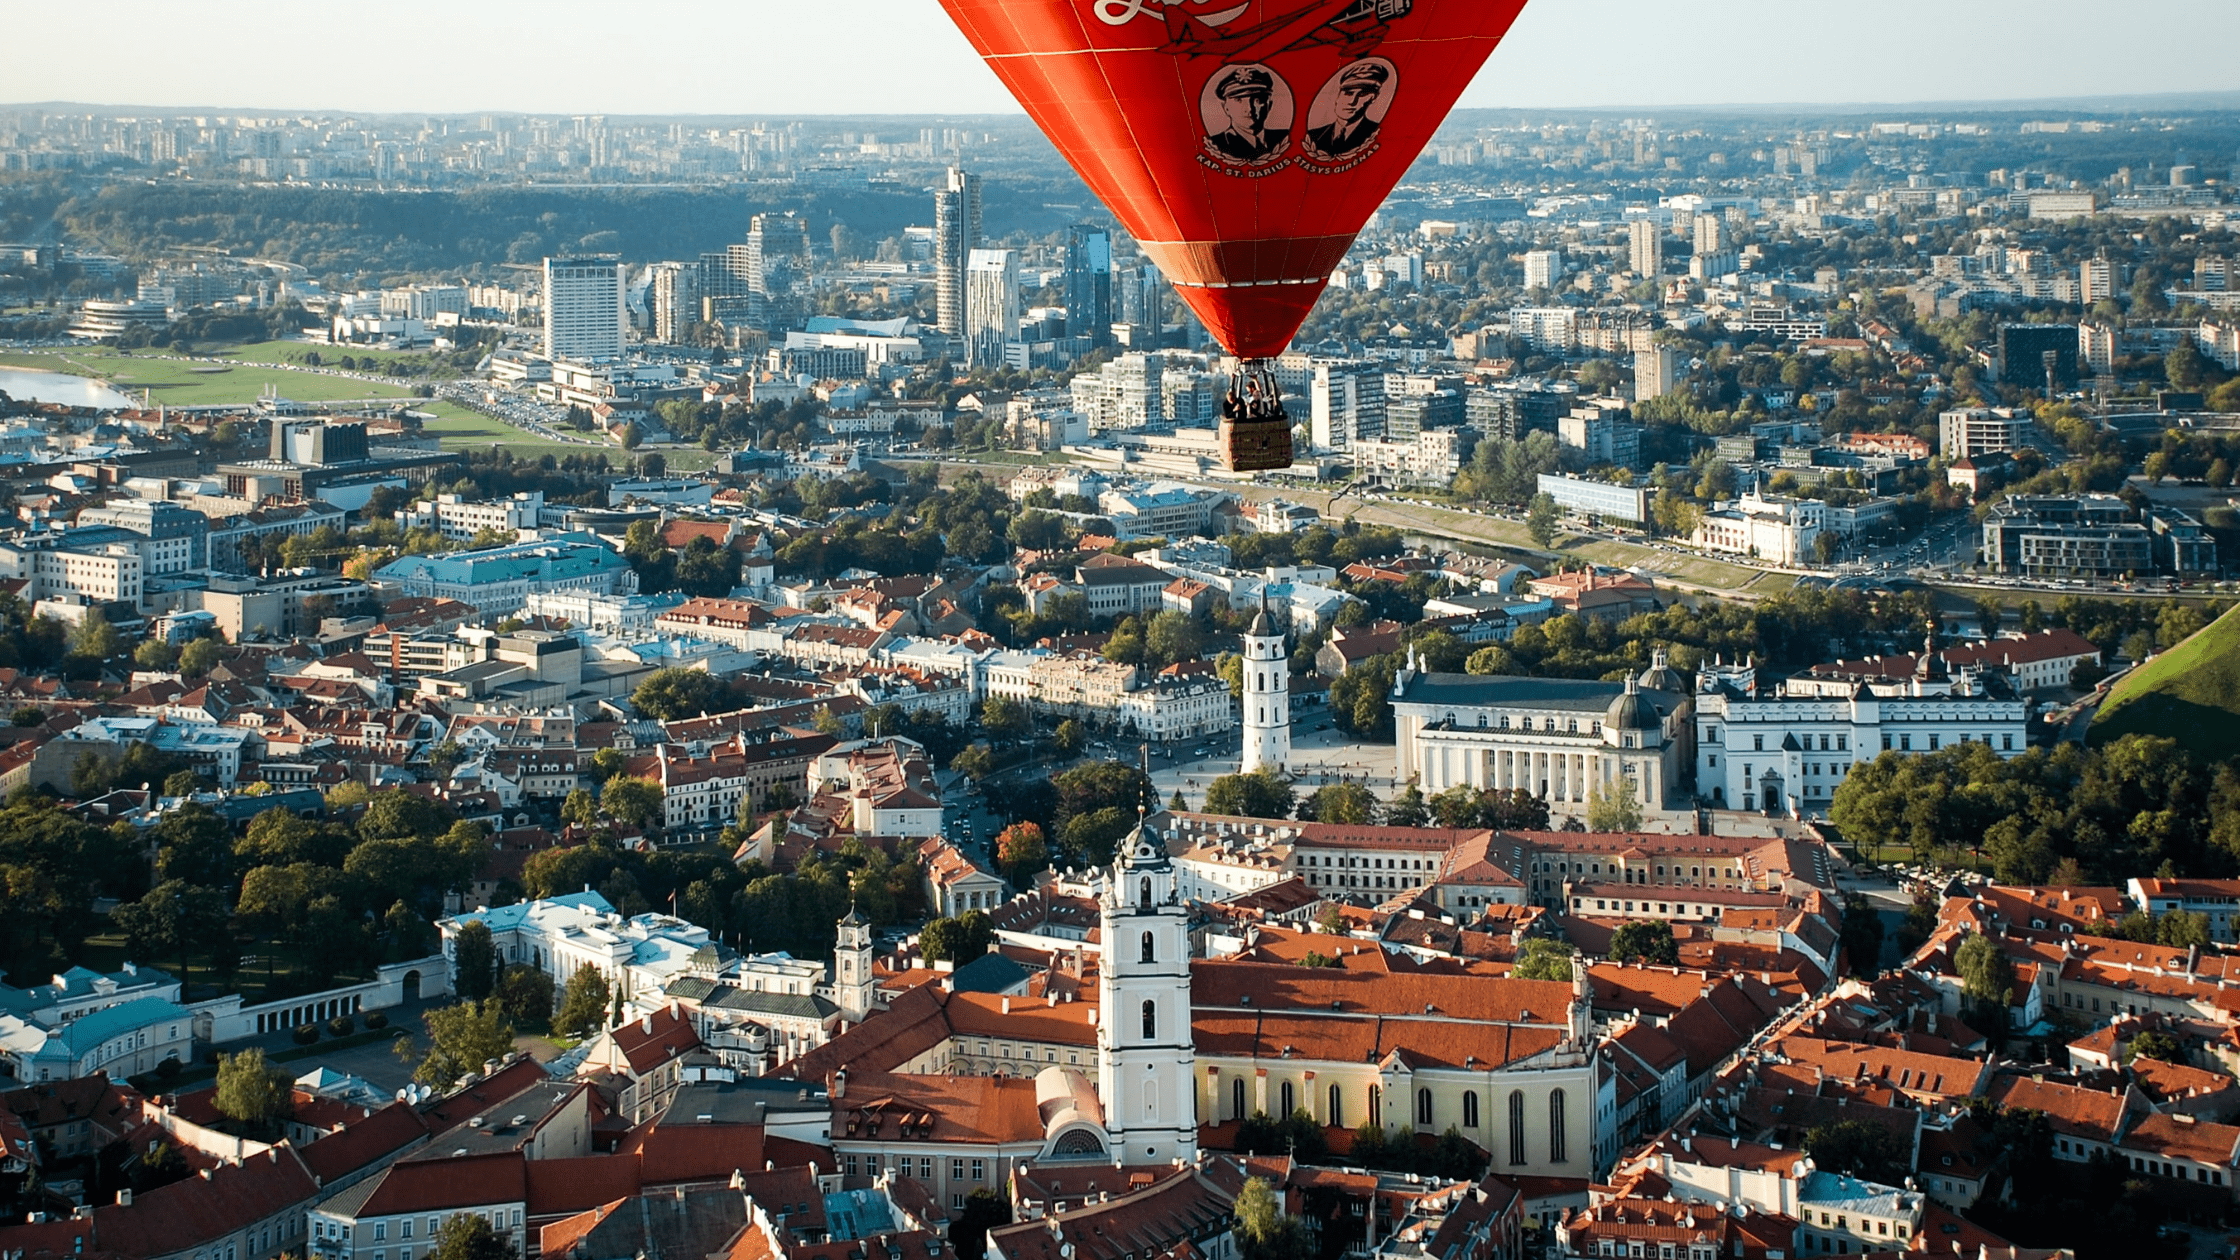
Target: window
x: 1150, y: 1020
x: 1470, y: 1109
x: 1376, y: 1105
x: 1757, y: 743
x: 1516, y: 1126
x: 979, y: 1170
x: 1336, y: 1118
x: 1886, y: 741
x: 381, y: 1231
x: 956, y: 1170
x: 1289, y: 1104
x: 1932, y: 743
x: 1236, y: 1099
x: 1423, y: 1108
x: 2006, y: 742
x: 1147, y: 947
x: 1143, y: 893
x: 404, y: 1228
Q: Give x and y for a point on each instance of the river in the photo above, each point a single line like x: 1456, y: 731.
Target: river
x: 26, y: 385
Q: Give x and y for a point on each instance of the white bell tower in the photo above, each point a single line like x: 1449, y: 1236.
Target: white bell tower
x: 1146, y: 1060
x: 1267, y: 695
x: 853, y: 987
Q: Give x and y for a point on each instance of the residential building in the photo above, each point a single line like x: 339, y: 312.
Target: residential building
x: 1543, y: 268
x: 991, y: 305
x: 1969, y: 432
x: 956, y: 233
x: 2086, y: 535
x: 1347, y: 403
x: 1645, y: 247
x: 2039, y: 356
x: 178, y: 537
x: 1432, y: 457
x: 460, y: 519
x: 584, y: 312
x: 1602, y: 432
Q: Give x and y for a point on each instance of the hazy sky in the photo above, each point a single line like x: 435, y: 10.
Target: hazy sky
x: 780, y: 57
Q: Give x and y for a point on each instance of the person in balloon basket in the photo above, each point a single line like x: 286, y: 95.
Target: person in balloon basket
x: 1246, y: 94
x: 1359, y: 85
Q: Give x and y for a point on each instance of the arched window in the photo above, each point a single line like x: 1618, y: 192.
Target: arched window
x: 1151, y: 1021
x: 1337, y: 1116
x: 1289, y: 1104
x: 1516, y: 1126
x: 1143, y: 892
x: 1236, y: 1099
x: 1470, y: 1109
x: 1555, y: 1127
x: 1147, y: 947
x: 1376, y: 1105
x: 1423, y: 1109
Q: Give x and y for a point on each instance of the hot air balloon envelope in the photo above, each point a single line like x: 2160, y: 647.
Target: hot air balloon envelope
x: 1243, y: 143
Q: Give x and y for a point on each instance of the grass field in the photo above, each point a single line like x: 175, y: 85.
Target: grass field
x: 461, y: 429
x: 2190, y: 693
x: 178, y: 383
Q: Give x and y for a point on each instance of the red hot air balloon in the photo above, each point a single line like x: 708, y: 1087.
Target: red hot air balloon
x: 1243, y: 143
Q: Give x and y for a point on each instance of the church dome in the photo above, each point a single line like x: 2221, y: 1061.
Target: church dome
x: 1631, y: 711
x: 1661, y: 676
x: 1263, y: 626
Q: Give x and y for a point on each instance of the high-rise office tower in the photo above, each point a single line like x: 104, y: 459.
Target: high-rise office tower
x: 956, y: 233
x: 1089, y: 283
x: 1711, y: 234
x: 584, y: 317
x: 774, y: 243
x: 991, y: 305
x: 673, y: 293
x: 1647, y: 240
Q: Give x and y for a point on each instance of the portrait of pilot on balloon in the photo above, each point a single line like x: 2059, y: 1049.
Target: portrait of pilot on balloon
x: 1348, y: 112
x: 1247, y: 110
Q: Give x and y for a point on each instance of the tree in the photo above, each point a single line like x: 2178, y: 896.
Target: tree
x: 461, y: 1038
x: 1021, y: 850
x: 580, y: 808
x: 1069, y: 737
x: 583, y: 1010
x: 525, y: 994
x: 96, y: 638
x: 1862, y: 936
x: 973, y: 760
x: 1264, y: 1231
x: 198, y: 657
x: 1004, y: 717
x: 1616, y: 808
x: 171, y: 921
x: 1648, y: 940
x: 156, y: 654
x: 2155, y: 1044
x: 1361, y: 697
x: 1173, y: 636
x: 1859, y: 1148
x: 1351, y: 803
x: 984, y: 1209
x: 1543, y: 958
x: 673, y: 694
x: 1407, y: 808
x: 1260, y: 794
x: 410, y: 934
x: 960, y: 939
x: 1540, y: 520
x: 1986, y: 984
x: 466, y: 1236
x: 474, y: 963
x: 252, y: 1093
x: 401, y: 815
x: 637, y: 802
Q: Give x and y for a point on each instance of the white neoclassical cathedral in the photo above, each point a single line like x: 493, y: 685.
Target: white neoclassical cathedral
x: 1267, y: 695
x: 1145, y: 1052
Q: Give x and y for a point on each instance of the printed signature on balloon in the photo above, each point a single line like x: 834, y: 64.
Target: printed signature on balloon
x: 1122, y: 12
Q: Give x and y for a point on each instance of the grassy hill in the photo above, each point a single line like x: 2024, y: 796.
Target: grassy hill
x: 2190, y: 693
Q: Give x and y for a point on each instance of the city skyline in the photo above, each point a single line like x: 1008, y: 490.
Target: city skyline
x: 906, y: 58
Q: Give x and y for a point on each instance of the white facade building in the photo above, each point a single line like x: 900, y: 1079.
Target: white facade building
x: 1788, y: 754
x: 1781, y: 531
x: 584, y: 314
x: 991, y: 304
